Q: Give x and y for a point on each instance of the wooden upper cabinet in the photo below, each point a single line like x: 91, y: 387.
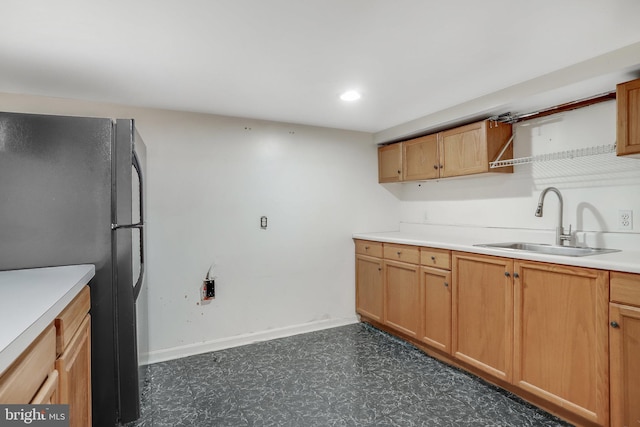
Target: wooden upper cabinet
x: 465, y: 150
x: 390, y: 163
x: 468, y: 149
x: 420, y: 158
x: 628, y: 131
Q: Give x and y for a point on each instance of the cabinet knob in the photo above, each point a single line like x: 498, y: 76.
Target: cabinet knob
x: 516, y: 275
x: 435, y: 166
x: 441, y: 166
x: 433, y: 259
x: 614, y: 324
x: 446, y: 284
x: 399, y: 253
x: 379, y: 268
x: 399, y: 172
x: 506, y: 273
x: 366, y: 248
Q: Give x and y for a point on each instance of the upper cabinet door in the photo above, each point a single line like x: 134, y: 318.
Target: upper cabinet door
x: 463, y: 150
x: 628, y: 133
x: 420, y: 158
x: 390, y: 163
x: 467, y: 150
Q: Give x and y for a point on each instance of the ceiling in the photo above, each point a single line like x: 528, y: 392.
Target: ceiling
x: 289, y: 60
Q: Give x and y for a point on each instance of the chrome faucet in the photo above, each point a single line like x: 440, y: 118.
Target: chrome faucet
x: 560, y: 236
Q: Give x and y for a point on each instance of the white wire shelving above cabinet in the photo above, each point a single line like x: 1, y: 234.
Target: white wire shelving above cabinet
x: 560, y: 155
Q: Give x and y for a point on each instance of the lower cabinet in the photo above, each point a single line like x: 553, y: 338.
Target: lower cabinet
x: 369, y: 290
x: 624, y: 347
x: 56, y: 367
x: 74, y: 366
x: 567, y: 338
x: 401, y: 292
x: 483, y: 313
x: 435, y: 300
x: 561, y: 337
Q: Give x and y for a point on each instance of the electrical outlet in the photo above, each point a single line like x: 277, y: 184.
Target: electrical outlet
x: 625, y: 220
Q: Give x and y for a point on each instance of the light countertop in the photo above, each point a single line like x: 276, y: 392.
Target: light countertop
x: 625, y: 260
x: 30, y: 300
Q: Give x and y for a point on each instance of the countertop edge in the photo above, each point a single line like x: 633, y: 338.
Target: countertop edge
x: 624, y: 261
x: 10, y: 354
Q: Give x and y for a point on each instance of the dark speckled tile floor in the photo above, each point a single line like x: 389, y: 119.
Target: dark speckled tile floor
x: 349, y: 376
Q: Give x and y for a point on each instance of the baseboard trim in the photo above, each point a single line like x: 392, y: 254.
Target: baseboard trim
x: 239, y: 340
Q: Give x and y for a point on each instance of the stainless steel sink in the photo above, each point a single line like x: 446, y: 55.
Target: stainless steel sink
x: 542, y: 248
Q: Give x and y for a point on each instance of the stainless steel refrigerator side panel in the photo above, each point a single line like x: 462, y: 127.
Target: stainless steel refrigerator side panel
x: 55, y: 209
x: 126, y: 341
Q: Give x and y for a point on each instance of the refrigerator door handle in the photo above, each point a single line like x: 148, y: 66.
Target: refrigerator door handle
x: 139, y: 225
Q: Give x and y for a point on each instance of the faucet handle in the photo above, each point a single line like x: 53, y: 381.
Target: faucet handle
x: 566, y: 237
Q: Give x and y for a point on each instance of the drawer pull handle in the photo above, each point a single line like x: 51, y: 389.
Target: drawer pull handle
x: 615, y: 324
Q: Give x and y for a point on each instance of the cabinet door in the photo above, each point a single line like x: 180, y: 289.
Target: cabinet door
x: 369, y: 290
x: 420, y: 158
x: 483, y: 313
x: 624, y: 345
x: 560, y: 336
x: 628, y: 130
x: 401, y: 297
x: 464, y: 150
x: 390, y: 163
x: 435, y: 298
x: 74, y: 367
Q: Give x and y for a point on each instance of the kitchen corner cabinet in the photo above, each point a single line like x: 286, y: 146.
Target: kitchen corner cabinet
x: 628, y: 126
x: 624, y: 347
x: 401, y: 288
x: 482, y: 319
x: 561, y: 337
x: 56, y: 367
x: 369, y: 286
x: 390, y: 163
x: 464, y: 150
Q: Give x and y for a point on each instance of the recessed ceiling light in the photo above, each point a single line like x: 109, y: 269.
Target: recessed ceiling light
x: 350, y: 95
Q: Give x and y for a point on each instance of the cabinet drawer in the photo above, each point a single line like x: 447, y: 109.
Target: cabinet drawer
x: 68, y: 322
x: 23, y: 379
x: 438, y: 258
x: 366, y: 247
x: 404, y: 253
x: 625, y: 288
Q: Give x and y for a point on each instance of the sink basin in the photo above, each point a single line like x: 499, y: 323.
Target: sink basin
x: 542, y: 248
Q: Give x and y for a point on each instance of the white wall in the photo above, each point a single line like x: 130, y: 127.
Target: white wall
x: 210, y: 178
x: 593, y: 188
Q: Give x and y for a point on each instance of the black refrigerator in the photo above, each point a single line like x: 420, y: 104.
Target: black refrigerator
x: 72, y: 192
